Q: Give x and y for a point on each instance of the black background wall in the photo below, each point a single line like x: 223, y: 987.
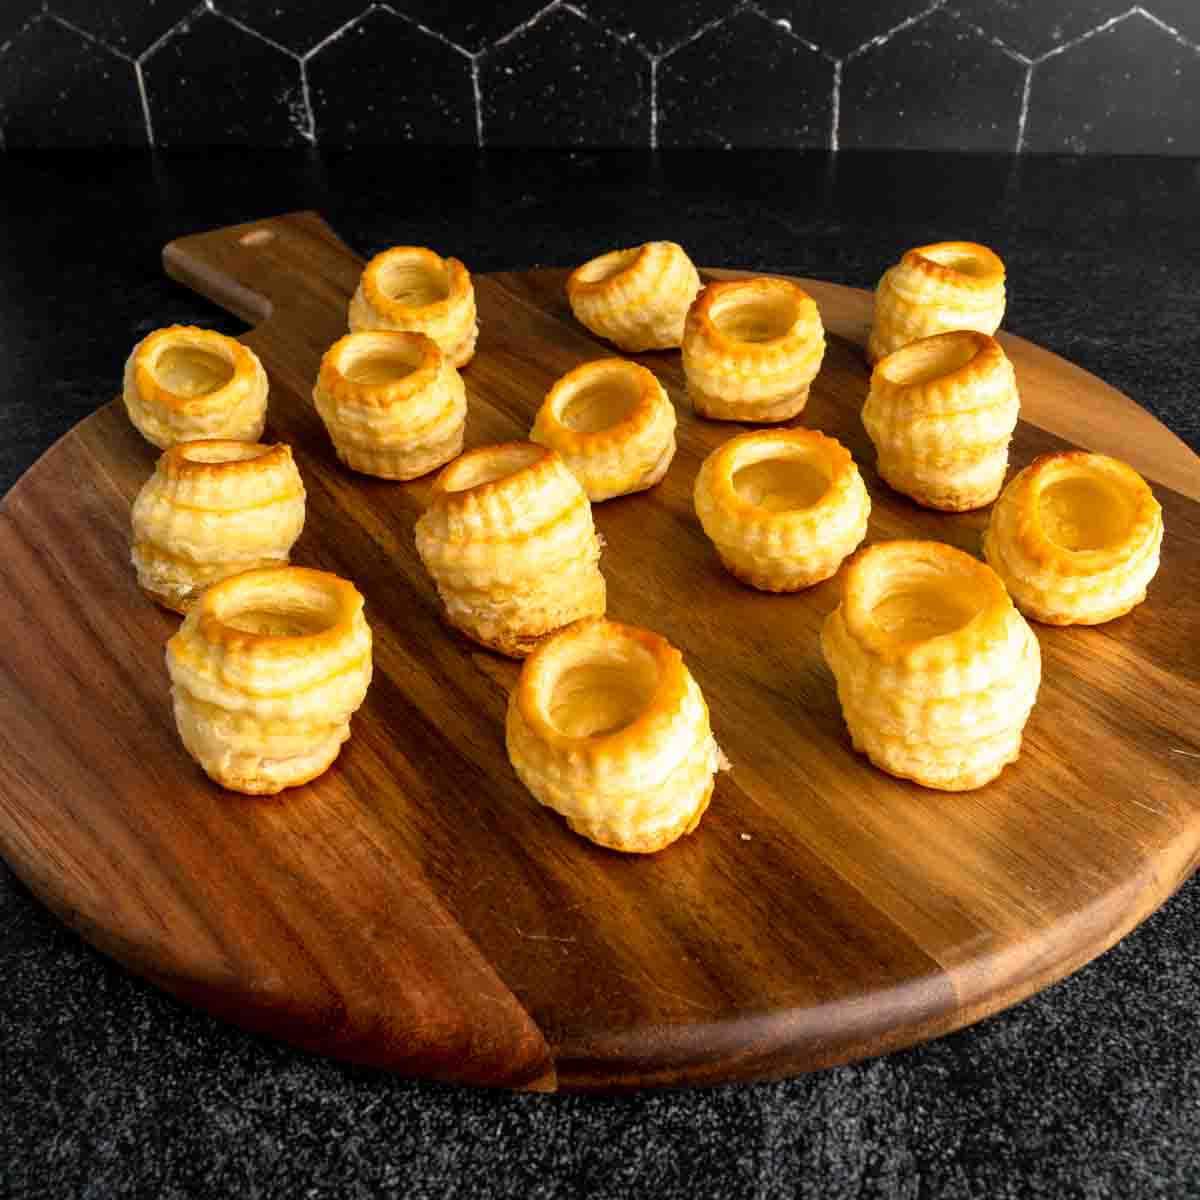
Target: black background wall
x: 1058, y: 76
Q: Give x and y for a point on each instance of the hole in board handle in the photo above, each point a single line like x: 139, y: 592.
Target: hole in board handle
x: 256, y: 237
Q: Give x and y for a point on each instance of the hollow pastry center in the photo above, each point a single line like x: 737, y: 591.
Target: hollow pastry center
x: 224, y: 452
x: 475, y: 470
x: 600, y: 403
x: 413, y: 283
x: 1083, y: 514
x: 601, y: 696
x: 279, y: 615
x: 965, y: 262
x: 605, y: 267
x: 781, y: 484
x: 928, y: 359
x: 755, y: 319
x: 375, y: 369
x: 917, y: 611
x: 189, y: 371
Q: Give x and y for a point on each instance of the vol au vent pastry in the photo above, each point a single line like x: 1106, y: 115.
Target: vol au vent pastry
x: 607, y: 727
x: 414, y: 289
x: 266, y: 671
x: 941, y: 412
x: 212, y: 509
x: 751, y: 349
x: 613, y: 424
x: 183, y: 384
x: 394, y: 405
x: 946, y: 285
x: 508, y: 539
x: 635, y: 298
x: 1076, y: 538
x: 936, y: 670
x: 783, y: 506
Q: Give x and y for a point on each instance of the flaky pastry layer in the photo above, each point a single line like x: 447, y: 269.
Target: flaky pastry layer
x: 1076, y: 538
x: 941, y: 412
x: 613, y: 424
x: 508, y: 539
x: 635, y: 298
x: 414, y: 289
x: 936, y: 670
x: 185, y: 384
x: 211, y: 509
x: 935, y: 288
x: 607, y: 727
x: 751, y: 349
x: 266, y: 671
x: 783, y: 507
x: 393, y: 404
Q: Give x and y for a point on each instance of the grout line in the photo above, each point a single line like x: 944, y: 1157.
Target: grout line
x: 477, y: 89
x: 654, y: 104
x: 785, y: 26
x: 345, y: 27
x: 1084, y: 37
x: 887, y: 36
x: 433, y: 33
x: 623, y: 39
x: 1155, y: 20
x: 141, y: 83
x: 309, y: 134
x: 254, y: 33
x: 89, y: 37
x: 1024, y: 113
x: 835, y: 108
x: 23, y: 28
x: 991, y: 38
x: 182, y: 24
x: 529, y: 23
x: 696, y: 34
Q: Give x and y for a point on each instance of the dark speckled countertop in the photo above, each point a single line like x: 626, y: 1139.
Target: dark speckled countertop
x: 110, y: 1088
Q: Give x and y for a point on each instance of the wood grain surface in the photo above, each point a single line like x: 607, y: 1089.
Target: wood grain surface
x: 414, y: 908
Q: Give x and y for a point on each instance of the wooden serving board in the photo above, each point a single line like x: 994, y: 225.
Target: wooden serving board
x: 414, y: 908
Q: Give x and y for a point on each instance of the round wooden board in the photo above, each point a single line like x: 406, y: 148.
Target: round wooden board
x: 415, y: 909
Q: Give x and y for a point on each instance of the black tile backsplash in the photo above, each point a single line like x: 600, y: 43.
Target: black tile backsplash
x: 1053, y: 76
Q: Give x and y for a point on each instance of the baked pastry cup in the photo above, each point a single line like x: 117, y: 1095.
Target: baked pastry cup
x: 184, y: 384
x: 941, y: 412
x: 751, y: 349
x: 266, y: 671
x: 636, y: 298
x: 1076, y: 538
x: 508, y: 538
x: 782, y: 506
x: 936, y: 670
x: 413, y: 289
x: 613, y: 424
x: 607, y: 727
x: 934, y: 288
x: 213, y: 509
x: 393, y: 404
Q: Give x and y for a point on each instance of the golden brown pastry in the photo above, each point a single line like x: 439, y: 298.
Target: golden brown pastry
x: 1076, y: 538
x: 783, y: 506
x: 266, y: 671
x: 946, y: 285
x: 394, y: 405
x: 413, y: 289
x: 751, y: 349
x: 936, y: 671
x: 508, y: 539
x: 183, y: 384
x: 607, y: 727
x: 212, y: 509
x: 941, y: 412
x: 613, y: 424
x: 636, y: 298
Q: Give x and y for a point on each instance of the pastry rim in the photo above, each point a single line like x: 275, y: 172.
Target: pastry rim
x: 700, y: 321
x: 918, y: 259
x: 332, y: 378
x: 542, y: 668
x: 176, y: 462
x: 543, y: 459
x: 236, y: 355
x: 578, y: 286
x: 989, y: 355
x: 452, y: 271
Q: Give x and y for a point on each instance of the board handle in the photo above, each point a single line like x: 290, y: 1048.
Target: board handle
x: 289, y: 271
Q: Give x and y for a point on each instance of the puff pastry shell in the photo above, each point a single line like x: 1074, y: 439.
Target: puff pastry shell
x: 751, y: 349
x: 635, y: 298
x: 783, y: 506
x: 1076, y: 538
x: 266, y: 671
x: 414, y: 289
x: 212, y: 509
x: 508, y: 539
x: 393, y: 404
x: 613, y: 424
x: 936, y: 670
x: 607, y: 727
x: 183, y: 384
x: 941, y: 412
x: 945, y: 285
